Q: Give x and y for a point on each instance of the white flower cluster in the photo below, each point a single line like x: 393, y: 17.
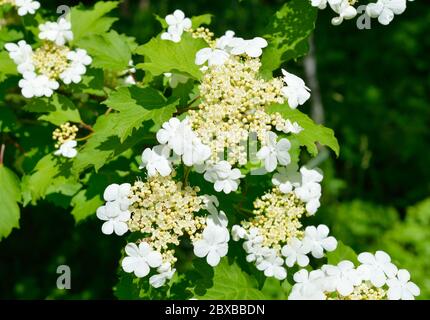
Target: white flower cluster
x: 384, y: 10
x: 66, y: 144
x: 230, y: 45
x: 42, y: 68
x: 24, y: 6
x: 305, y: 184
x: 132, y: 208
x: 177, y: 23
x: 376, y: 278
x: 315, y: 241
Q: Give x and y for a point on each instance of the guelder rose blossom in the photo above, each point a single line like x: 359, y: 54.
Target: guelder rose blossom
x: 274, y: 151
x: 140, y: 259
x: 43, y: 67
x: 213, y: 246
x: 296, y: 91
x: 177, y: 24
x: 156, y: 161
x: 67, y: 149
x: 384, y: 10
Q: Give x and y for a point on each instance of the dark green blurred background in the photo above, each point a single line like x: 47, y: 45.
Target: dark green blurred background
x: 375, y: 87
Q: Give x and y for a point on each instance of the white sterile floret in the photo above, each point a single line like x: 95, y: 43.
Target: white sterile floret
x: 344, y: 9
x: 140, y: 259
x: 238, y: 232
x: 214, y: 244
x: 291, y: 127
x: 211, y: 203
x: 217, y: 219
x: 318, y: 240
x: 272, y: 266
x: 156, y: 161
x: 224, y: 177
x: 165, y: 273
x: 119, y: 193
x: 252, y: 48
x: 59, y: 32
x: 296, y: 90
x: 385, y: 10
x: 287, y: 178
x: 214, y: 57
x: 310, y: 189
x: 179, y: 136
x: 21, y: 53
x: 274, y: 151
x: 116, y: 219
x: 177, y: 23
x: 226, y: 42
x: 296, y: 252
x: 400, y: 288
x: 33, y: 85
x: 341, y: 278
x: 79, y: 59
x: 175, y: 79
x: 67, y: 149
x: 321, y: 4
x: 307, y: 285
x: 27, y: 7
x: 376, y: 268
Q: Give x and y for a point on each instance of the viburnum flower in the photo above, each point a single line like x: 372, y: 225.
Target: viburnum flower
x: 118, y: 193
x: 237, y: 232
x: 344, y: 9
x: 287, y: 178
x: 317, y: 239
x: 155, y: 161
x: 67, y: 149
x: 321, y: 4
x: 341, y: 278
x: 307, y: 285
x: 165, y: 272
x: 27, y: 7
x: 175, y: 79
x: 225, y: 43
x: 79, y: 59
x: 385, y: 10
x: 376, y: 268
x: 177, y: 23
x: 33, y: 85
x: 140, y: 259
x: 252, y: 48
x: 115, y: 218
x: 272, y: 266
x: 58, y: 32
x: 401, y: 288
x: 296, y: 90
x: 310, y: 189
x: 211, y: 204
x: 213, y: 246
x: 224, y: 177
x: 274, y: 151
x: 21, y: 53
x: 211, y: 56
x: 296, y: 252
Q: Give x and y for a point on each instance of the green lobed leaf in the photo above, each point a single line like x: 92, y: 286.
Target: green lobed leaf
x: 85, y: 206
x: 137, y: 105
x: 341, y: 253
x: 10, y: 195
x: 163, y: 56
x: 312, y: 132
x: 7, y: 66
x: 204, y: 19
x: 108, y: 50
x: 231, y: 283
x: 87, y: 22
x: 59, y: 109
x: 287, y: 34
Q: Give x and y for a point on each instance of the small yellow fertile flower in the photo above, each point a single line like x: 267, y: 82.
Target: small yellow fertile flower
x: 64, y: 133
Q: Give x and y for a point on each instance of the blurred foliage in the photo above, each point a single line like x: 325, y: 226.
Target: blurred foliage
x: 375, y: 88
